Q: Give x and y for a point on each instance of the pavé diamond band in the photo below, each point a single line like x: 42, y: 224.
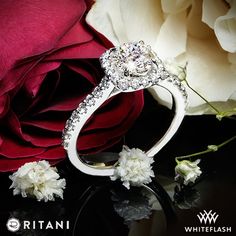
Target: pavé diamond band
x: 129, y: 67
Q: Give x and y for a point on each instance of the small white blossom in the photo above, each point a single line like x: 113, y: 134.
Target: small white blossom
x: 133, y: 167
x: 188, y: 170
x: 39, y: 180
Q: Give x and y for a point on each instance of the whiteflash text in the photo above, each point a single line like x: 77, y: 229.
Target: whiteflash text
x: 208, y: 217
x: 206, y: 229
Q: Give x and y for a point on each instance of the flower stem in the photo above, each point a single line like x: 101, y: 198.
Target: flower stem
x: 210, y: 148
x: 195, y: 91
x: 227, y: 141
x: 219, y: 114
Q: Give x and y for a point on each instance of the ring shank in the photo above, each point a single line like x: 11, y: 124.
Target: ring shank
x: 180, y: 105
x: 110, y: 91
x: 72, y: 147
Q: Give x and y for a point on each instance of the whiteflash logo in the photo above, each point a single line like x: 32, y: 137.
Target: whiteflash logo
x: 208, y: 217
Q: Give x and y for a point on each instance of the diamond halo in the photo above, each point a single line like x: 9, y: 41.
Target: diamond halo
x: 131, y: 66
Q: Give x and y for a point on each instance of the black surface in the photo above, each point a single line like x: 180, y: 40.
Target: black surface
x: 88, y: 203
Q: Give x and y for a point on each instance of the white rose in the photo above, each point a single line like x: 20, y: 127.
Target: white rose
x: 188, y: 171
x: 202, y: 33
x: 39, y: 180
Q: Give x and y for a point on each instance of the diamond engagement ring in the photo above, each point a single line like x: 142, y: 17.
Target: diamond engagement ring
x: 128, y: 68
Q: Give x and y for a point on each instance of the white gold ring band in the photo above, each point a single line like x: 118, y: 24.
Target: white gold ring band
x: 128, y: 68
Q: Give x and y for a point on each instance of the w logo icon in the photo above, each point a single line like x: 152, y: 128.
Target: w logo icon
x: 207, y: 217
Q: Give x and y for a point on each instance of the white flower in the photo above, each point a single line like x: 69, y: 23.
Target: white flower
x: 39, y: 180
x: 133, y: 167
x: 202, y: 33
x: 188, y: 170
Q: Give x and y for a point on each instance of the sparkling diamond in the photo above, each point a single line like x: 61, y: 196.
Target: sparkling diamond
x: 66, y: 136
x: 154, y: 78
x: 97, y: 92
x: 164, y: 75
x: 170, y: 79
x: 177, y: 82
x: 135, y: 83
x: 161, y: 67
x: 65, y: 144
x: 69, y: 125
x: 75, y: 116
x: 145, y: 82
x: 82, y: 109
x: 123, y: 84
x: 131, y: 66
x: 90, y: 101
x: 129, y: 62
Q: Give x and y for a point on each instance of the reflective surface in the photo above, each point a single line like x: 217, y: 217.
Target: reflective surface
x: 96, y: 206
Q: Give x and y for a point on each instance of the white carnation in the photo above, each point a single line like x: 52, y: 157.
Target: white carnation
x: 188, y: 170
x: 133, y: 167
x: 39, y: 180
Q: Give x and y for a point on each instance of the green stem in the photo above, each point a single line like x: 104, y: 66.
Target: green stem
x: 225, y: 142
x: 218, y: 112
x: 214, y: 108
x: 209, y: 149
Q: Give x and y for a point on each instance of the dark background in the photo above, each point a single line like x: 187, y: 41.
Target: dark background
x: 96, y: 216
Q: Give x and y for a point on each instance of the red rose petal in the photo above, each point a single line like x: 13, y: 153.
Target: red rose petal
x: 51, y: 123
x: 23, y: 33
x: 105, y: 117
x: 71, y: 91
x: 14, y: 77
x: 92, y: 49
x: 100, y: 137
x: 34, y: 79
x: 4, y: 104
x: 85, y: 69
x: 14, y: 125
x: 13, y: 148
x: 13, y: 164
x: 76, y: 35
x: 35, y: 136
x: 59, y: 33
x: 42, y: 99
x: 42, y: 138
x: 33, y: 84
x: 1, y: 140
x: 115, y: 111
x: 89, y: 3
x: 43, y: 68
x: 53, y: 153
x: 67, y: 104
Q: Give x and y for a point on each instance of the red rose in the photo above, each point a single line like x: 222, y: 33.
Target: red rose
x: 48, y: 64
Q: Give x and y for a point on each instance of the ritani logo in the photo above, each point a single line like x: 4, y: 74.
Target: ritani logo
x: 14, y: 224
x: 207, y: 217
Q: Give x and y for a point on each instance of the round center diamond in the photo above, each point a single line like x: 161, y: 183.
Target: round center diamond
x: 131, y: 66
x: 130, y: 61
